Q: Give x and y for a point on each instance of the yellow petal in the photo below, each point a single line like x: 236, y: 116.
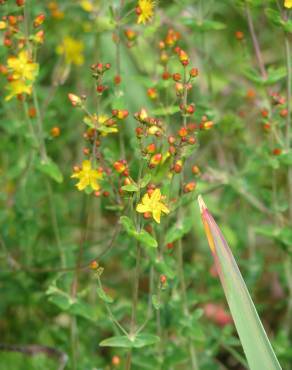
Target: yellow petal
x: 288, y: 4
x: 82, y: 184
x: 142, y: 208
x: 94, y: 184
x: 86, y: 165
x: 145, y: 199
x: 156, y: 196
x: 156, y: 215
x: 163, y: 208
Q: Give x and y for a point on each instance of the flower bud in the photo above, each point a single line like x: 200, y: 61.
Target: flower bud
x: 75, y: 100
x: 183, y: 132
x: 119, y: 166
x: 194, y: 72
x: 93, y: 265
x: 39, y: 20
x: 152, y: 93
x: 151, y: 148
x: 196, y: 170
x: 163, y: 279
x: 55, y: 131
x: 239, y: 35
x: 206, y: 125
x: 155, y: 160
x: 177, y: 166
x: 117, y: 79
x: 176, y: 77
x: 189, y: 187
x: 116, y: 361
x: 277, y: 151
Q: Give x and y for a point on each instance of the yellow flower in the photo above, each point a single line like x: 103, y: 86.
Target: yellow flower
x: 22, y: 67
x: 87, y: 5
x: 72, y: 50
x: 152, y: 204
x: 288, y: 4
x: 87, y: 177
x: 17, y: 87
x: 145, y: 10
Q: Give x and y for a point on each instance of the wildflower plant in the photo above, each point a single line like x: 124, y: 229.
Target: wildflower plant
x: 116, y: 116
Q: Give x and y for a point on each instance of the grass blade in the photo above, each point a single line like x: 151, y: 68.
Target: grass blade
x: 255, y: 343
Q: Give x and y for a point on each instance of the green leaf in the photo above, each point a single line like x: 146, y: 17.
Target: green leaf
x: 51, y: 169
x: 130, y: 188
x: 138, y: 341
x: 204, y: 25
x: 274, y: 75
x: 286, y: 158
x: 166, y: 111
x: 103, y: 296
x: 256, y: 345
x: 145, y: 180
x: 143, y: 236
x: 178, y: 230
x: 155, y: 301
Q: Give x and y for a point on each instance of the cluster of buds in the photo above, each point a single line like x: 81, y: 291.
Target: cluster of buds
x: 167, y: 47
x: 10, y: 24
x: 98, y: 69
x: 148, y: 125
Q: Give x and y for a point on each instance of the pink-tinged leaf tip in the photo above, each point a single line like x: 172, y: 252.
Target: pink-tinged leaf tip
x: 201, y: 203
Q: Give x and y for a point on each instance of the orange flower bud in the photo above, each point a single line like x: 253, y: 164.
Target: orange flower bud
x: 155, y: 160
x: 183, y: 132
x: 163, y: 279
x: 267, y: 126
x: 239, y: 35
x: 152, y: 93
x: 20, y: 2
x: 176, y: 76
x: 119, y: 166
x: 206, y: 125
x: 86, y: 151
x: 179, y: 88
x: 284, y: 113
x: 130, y: 34
x: 55, y: 131
x: 196, y: 170
x: 194, y: 72
x: 183, y: 57
x: 39, y: 20
x: 40, y: 37
x: 277, y: 151
x: 190, y: 109
x: 166, y: 75
x: 172, y: 150
x: 264, y: 113
x: 117, y: 79
x: 139, y: 132
x: 151, y: 148
x: 116, y: 361
x: 177, y: 167
x: 189, y: 187
x: 32, y: 112
x: 93, y: 265
x: 169, y: 245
